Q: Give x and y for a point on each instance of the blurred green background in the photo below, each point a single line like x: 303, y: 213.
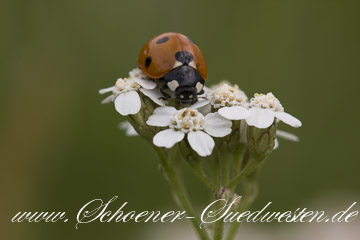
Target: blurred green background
x: 61, y: 148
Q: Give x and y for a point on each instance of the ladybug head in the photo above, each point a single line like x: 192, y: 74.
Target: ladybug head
x: 186, y: 82
x: 186, y: 95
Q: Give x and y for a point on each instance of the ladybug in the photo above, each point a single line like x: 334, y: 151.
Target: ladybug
x: 175, y: 60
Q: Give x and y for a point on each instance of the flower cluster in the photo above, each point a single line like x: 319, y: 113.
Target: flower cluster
x: 261, y: 112
x: 211, y: 116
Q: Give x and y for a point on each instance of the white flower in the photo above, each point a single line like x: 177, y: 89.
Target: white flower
x: 125, y: 92
x: 128, y: 128
x: 223, y: 95
x: 262, y: 112
x: 190, y: 122
x: 226, y: 95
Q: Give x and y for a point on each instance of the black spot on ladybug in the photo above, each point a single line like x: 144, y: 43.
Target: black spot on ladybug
x: 148, y: 61
x: 184, y: 57
x: 162, y: 40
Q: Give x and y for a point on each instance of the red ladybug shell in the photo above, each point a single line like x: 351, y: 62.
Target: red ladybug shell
x: 157, y: 56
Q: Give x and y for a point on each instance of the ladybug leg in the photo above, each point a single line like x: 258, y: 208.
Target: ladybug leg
x: 165, y: 95
x: 201, y: 92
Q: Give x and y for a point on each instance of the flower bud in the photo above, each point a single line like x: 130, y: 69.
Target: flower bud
x: 229, y: 143
x: 261, y: 141
x: 229, y: 196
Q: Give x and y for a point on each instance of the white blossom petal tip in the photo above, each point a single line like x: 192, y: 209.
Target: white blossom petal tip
x: 284, y: 135
x: 161, y: 116
x: 128, y: 128
x: 260, y: 117
x: 216, y: 125
x: 288, y: 119
x: 168, y: 138
x: 287, y: 136
x: 276, y: 145
x: 108, y: 99
x: 155, y: 95
x: 200, y: 103
x: 234, y: 112
x: 146, y: 83
x: 106, y: 90
x: 141, y: 79
x: 128, y: 103
x: 201, y: 143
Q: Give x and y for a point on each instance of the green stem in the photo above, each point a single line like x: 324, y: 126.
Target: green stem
x: 131, y: 120
x: 219, y: 229
x: 224, y: 165
x: 180, y: 193
x: 140, y: 127
x: 235, y: 225
x: 219, y: 224
x: 239, y: 155
x: 199, y: 171
x: 138, y: 119
x: 225, y: 170
x: 249, y: 168
x: 216, y: 170
x: 249, y: 196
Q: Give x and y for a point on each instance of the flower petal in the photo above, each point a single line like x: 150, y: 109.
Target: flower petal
x: 145, y: 83
x: 234, y: 112
x: 276, y: 145
x: 128, y: 128
x: 108, y: 99
x: 154, y: 95
x: 168, y: 138
x: 200, y: 104
x: 128, y: 103
x: 201, y: 143
x: 106, y: 90
x: 136, y: 73
x: 260, y: 117
x: 161, y: 116
x: 287, y: 136
x: 216, y: 125
x: 205, y: 109
x: 288, y: 119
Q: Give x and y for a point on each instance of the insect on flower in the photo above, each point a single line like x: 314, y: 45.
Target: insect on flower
x: 177, y: 62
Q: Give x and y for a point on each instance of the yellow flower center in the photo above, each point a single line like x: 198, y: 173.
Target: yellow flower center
x: 126, y: 84
x: 266, y: 101
x: 227, y: 96
x: 187, y: 120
